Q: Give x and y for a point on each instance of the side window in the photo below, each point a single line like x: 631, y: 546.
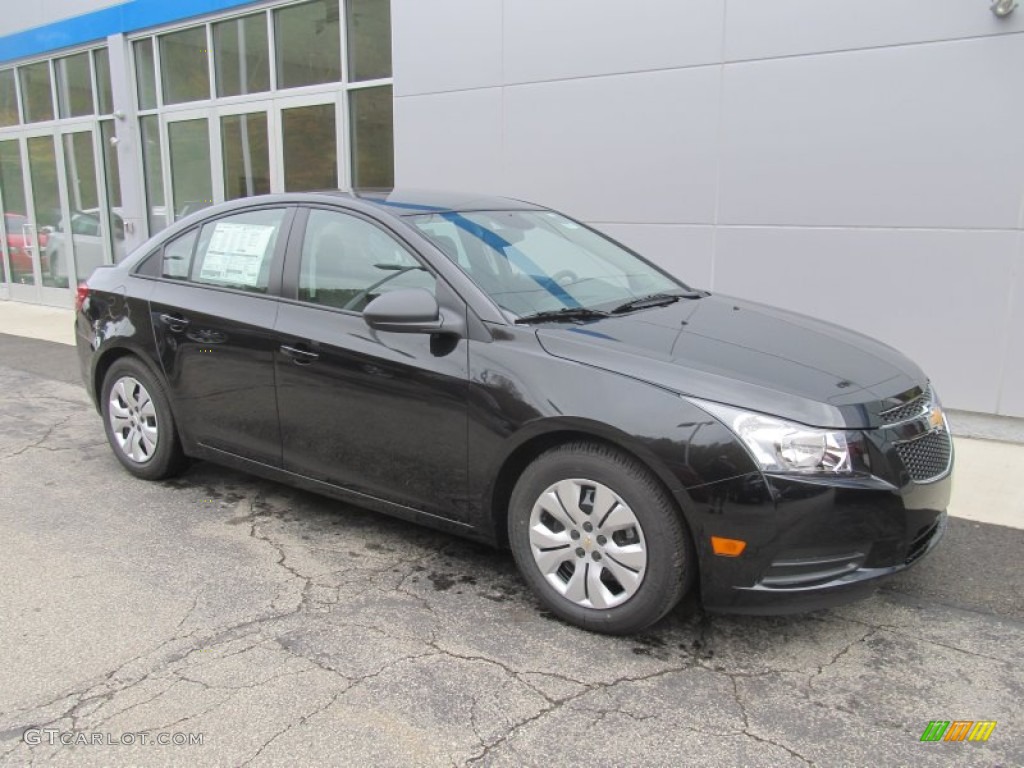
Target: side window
x: 236, y: 251
x: 177, y: 255
x: 347, y: 262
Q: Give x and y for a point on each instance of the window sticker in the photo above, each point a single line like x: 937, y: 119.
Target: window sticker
x: 236, y: 252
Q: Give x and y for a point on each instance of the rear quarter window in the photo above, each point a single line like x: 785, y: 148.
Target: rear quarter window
x: 173, y: 260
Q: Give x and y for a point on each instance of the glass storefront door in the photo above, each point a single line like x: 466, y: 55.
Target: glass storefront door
x: 245, y: 148
x: 55, y: 226
x: 308, y: 131
x: 81, y: 240
x: 240, y: 150
x: 44, y: 185
x: 188, y: 149
x: 17, y: 244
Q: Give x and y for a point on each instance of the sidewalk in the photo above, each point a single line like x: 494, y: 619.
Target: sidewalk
x: 985, y: 486
x: 37, y: 322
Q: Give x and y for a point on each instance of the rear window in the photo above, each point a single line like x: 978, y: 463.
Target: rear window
x: 236, y: 251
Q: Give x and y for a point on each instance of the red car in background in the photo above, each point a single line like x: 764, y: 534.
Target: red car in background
x: 19, y: 247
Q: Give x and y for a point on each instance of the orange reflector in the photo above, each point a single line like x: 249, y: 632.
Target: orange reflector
x: 727, y: 547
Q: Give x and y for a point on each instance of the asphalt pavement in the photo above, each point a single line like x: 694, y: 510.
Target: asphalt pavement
x: 278, y: 627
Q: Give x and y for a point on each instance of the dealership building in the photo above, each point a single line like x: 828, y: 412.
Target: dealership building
x: 858, y: 162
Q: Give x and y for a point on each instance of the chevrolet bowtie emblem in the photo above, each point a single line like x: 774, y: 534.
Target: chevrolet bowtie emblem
x: 935, y: 417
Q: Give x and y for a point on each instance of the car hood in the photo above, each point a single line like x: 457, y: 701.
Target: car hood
x: 744, y: 354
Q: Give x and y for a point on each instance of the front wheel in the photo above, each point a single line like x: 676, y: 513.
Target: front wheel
x: 138, y: 421
x: 598, y: 539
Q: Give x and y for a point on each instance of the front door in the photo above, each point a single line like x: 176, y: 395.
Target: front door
x: 383, y: 414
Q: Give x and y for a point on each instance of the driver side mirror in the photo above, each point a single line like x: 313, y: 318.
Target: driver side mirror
x: 406, y: 310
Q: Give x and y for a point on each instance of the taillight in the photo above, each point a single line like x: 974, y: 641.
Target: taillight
x: 81, y: 295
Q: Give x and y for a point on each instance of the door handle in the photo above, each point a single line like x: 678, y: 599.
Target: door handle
x: 299, y: 355
x: 176, y: 323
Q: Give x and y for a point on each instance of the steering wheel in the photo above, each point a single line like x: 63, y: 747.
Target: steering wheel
x: 565, y: 277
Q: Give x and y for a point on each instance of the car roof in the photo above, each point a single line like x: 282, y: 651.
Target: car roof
x: 410, y: 202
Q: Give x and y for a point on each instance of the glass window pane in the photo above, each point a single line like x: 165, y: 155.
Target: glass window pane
x: 183, y: 66
x: 189, y: 145
x: 36, y: 95
x: 246, y: 155
x: 12, y: 190
x: 177, y: 256
x: 373, y: 146
x: 113, y: 174
x: 82, y: 237
x: 308, y: 42
x: 236, y: 251
x: 8, y: 99
x: 347, y: 262
x: 145, y: 73
x: 369, y: 39
x: 42, y: 168
x: 74, y: 85
x: 152, y: 170
x: 241, y: 55
x: 101, y: 59
x: 309, y: 142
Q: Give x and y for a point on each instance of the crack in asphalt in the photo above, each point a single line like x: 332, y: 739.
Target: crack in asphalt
x: 756, y: 737
x: 38, y: 443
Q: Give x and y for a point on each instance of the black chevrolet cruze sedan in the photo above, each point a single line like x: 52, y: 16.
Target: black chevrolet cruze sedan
x: 498, y: 370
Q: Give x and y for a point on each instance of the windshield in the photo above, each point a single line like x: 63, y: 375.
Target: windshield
x: 540, y: 261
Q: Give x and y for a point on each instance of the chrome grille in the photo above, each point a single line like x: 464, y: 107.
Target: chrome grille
x: 926, y: 457
x: 910, y: 410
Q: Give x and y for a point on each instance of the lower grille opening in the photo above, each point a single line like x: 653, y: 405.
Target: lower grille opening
x: 926, y: 457
x: 921, y: 541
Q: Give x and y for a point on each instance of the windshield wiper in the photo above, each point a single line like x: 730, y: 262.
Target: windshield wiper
x: 656, y: 300
x: 565, y: 313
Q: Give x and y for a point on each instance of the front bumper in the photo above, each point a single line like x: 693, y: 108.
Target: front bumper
x: 811, y: 544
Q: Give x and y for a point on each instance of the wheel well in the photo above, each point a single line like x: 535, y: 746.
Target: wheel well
x: 104, y: 364
x: 521, y: 458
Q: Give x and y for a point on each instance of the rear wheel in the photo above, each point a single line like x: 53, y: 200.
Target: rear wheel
x: 138, y: 421
x: 598, y: 538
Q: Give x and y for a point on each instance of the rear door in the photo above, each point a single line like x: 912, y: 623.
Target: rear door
x: 384, y: 414
x: 213, y: 313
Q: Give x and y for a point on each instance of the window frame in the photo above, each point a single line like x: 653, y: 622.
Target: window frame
x: 277, y: 260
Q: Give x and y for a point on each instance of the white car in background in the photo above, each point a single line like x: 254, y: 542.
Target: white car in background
x: 87, y: 239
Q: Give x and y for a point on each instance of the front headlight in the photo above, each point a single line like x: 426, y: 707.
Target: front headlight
x: 785, y: 446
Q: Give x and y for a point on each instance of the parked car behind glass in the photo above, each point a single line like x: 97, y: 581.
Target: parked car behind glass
x: 22, y: 239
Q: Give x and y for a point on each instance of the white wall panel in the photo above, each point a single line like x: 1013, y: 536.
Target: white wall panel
x: 1011, y: 403
x: 633, y: 148
x: 445, y: 45
x: 939, y: 297
x: 684, y: 251
x: 546, y: 40
x: 449, y: 141
x: 759, y: 29
x: 921, y: 136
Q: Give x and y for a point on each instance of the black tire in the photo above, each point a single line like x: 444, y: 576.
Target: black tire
x: 167, y: 458
x: 670, y: 562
